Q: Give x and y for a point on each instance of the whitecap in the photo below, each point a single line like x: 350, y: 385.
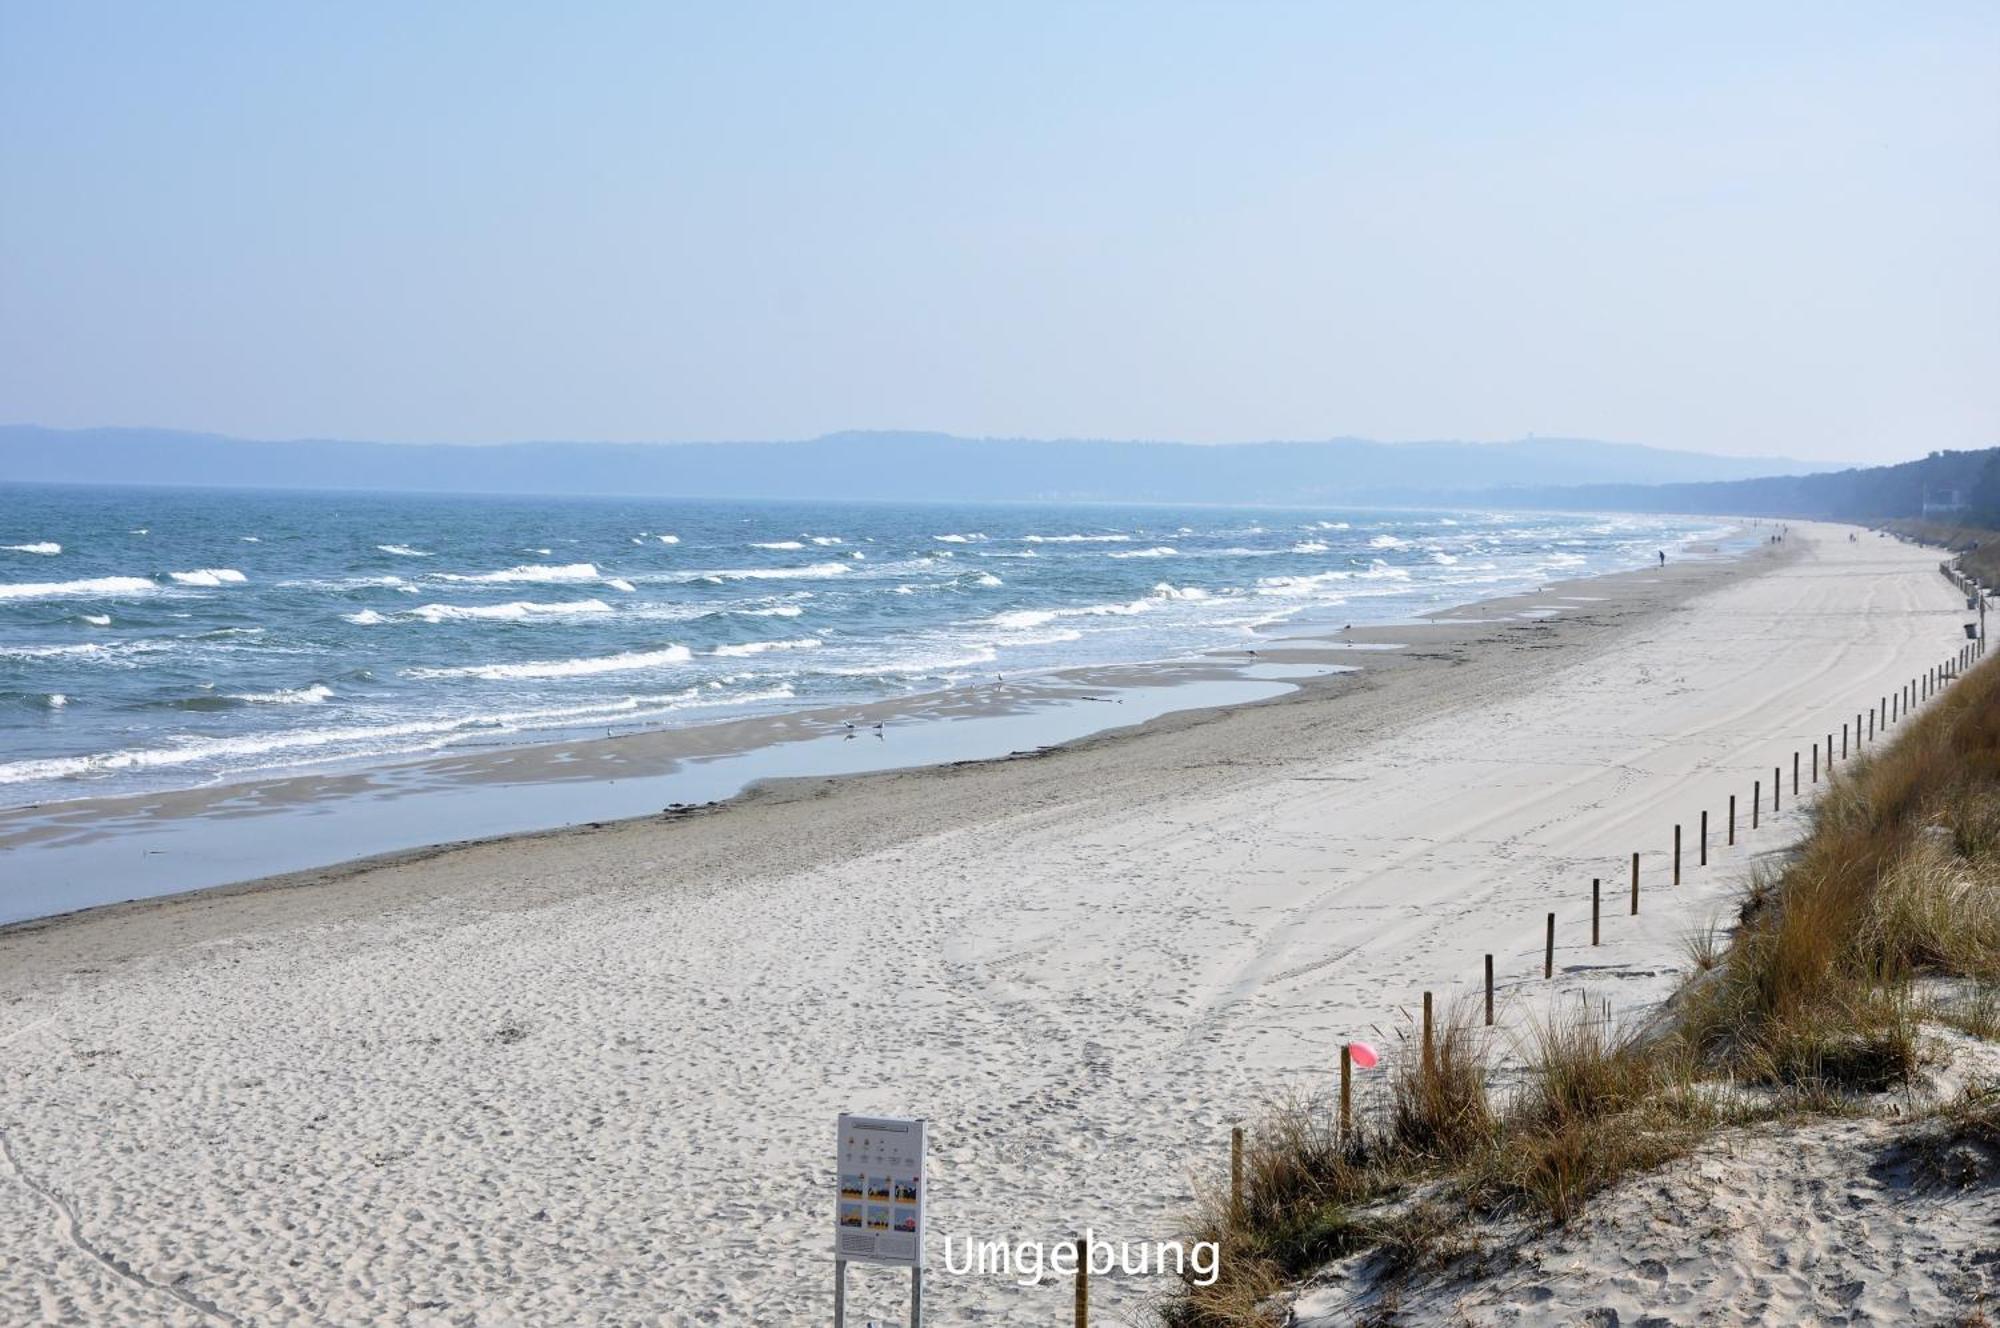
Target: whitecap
x: 664, y: 539
x: 827, y: 539
x: 973, y: 538
x: 93, y: 586
x: 1158, y: 551
x: 312, y: 695
x: 562, y: 668
x: 760, y: 647
x: 987, y: 579
x: 96, y: 619
x: 1388, y: 542
x: 1077, y: 539
x: 516, y: 611
x: 209, y: 576
x: 365, y: 618
x: 779, y: 544
x: 528, y: 572
x: 1309, y: 546
x: 405, y: 551
x: 47, y: 548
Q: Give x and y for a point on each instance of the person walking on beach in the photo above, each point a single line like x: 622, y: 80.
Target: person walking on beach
x: 1663, y: 557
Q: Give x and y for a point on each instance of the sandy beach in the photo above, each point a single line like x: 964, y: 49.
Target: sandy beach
x: 590, y: 1076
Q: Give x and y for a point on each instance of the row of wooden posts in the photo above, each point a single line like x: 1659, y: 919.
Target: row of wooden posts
x: 1887, y: 711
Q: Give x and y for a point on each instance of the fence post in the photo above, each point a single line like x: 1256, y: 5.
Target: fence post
x: 1701, y: 859
x: 1732, y: 820
x: 1549, y: 951
x: 1083, y: 1281
x: 1346, y: 1092
x: 1427, y: 1033
x: 1756, y: 801
x: 1489, y: 991
x: 1596, y: 899
x: 1236, y: 1174
x: 1635, y: 885
x: 1677, y: 857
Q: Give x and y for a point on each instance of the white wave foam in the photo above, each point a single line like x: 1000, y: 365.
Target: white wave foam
x: 562, y: 668
x: 1332, y: 525
x: 57, y: 700
x: 251, y: 539
x: 620, y: 583
x: 779, y: 544
x: 528, y: 572
x: 1441, y: 557
x: 81, y: 649
x: 209, y: 576
x: 988, y: 580
x: 812, y: 571
x: 776, y: 611
x: 47, y: 548
x: 312, y: 695
x: 1166, y: 590
x: 1284, y: 585
x: 365, y: 618
x: 760, y: 647
x: 97, y: 619
x: 1388, y: 542
x: 974, y: 538
x: 1076, y: 539
x: 824, y: 540
x: 96, y: 585
x: 1309, y: 546
x: 375, y: 738
x: 664, y: 539
x: 519, y: 610
x: 1158, y: 551
x: 404, y: 551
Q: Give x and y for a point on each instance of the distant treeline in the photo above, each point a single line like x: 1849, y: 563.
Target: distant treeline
x: 1874, y: 493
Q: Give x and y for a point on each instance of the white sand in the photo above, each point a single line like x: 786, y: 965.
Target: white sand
x: 591, y: 1078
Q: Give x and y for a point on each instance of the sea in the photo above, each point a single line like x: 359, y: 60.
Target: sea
x: 167, y: 638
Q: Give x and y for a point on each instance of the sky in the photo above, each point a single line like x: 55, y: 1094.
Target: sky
x: 1766, y: 228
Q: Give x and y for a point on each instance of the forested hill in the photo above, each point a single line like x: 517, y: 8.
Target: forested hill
x: 1873, y: 493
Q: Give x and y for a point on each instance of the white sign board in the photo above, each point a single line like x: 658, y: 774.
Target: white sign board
x: 878, y: 1208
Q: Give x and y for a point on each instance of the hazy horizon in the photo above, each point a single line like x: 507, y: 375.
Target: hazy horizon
x: 1743, y: 233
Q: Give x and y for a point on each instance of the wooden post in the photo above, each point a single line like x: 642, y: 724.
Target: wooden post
x: 1635, y: 885
x: 1236, y: 1174
x: 1701, y: 858
x: 1489, y: 991
x: 1756, y: 801
x: 1843, y: 740
x: 1596, y: 902
x: 1732, y: 820
x: 1795, y: 774
x: 1549, y: 950
x: 1083, y: 1281
x: 1677, y: 855
x: 1775, y: 788
x: 1427, y: 1033
x: 1871, y: 726
x: 1815, y: 760
x: 1346, y: 1091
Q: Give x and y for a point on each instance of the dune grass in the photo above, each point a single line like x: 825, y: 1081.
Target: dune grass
x: 1814, y: 999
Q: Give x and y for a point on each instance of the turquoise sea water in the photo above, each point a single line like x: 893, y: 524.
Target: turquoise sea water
x: 157, y: 638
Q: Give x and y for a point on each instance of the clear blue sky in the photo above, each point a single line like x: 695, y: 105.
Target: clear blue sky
x: 1762, y: 227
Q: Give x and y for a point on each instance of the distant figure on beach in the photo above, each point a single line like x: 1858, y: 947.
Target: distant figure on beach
x: 1663, y: 557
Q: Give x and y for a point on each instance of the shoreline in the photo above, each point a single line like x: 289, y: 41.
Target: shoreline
x: 392, y: 808
x: 592, y: 1073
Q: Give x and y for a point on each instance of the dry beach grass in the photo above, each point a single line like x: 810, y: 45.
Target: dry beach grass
x: 1883, y: 922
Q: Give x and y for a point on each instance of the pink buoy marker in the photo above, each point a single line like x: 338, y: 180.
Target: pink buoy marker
x: 1363, y: 1054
